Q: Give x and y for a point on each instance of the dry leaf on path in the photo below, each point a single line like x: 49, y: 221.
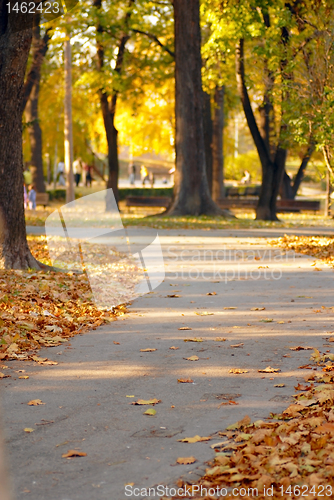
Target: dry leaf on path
x: 237, y: 345
x: 226, y: 308
x: 185, y: 381
x: 266, y: 320
x: 25, y: 377
x: 35, y: 402
x: 193, y: 340
x: 220, y: 339
x: 204, y: 314
x: 116, y: 343
x: 148, y: 350
x: 185, y: 328
x: 150, y: 412
x: 257, y: 309
x: 186, y: 460
x: 174, y: 296
x: 192, y: 358
x: 28, y: 429
x: 269, y: 369
x: 301, y: 348
x: 147, y: 402
x: 73, y: 454
x: 174, y: 348
x: 3, y: 375
x: 212, y: 293
x: 279, y: 385
x: 195, y: 439
x: 238, y: 371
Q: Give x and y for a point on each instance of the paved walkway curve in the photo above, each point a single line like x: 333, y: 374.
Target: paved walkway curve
x: 219, y: 278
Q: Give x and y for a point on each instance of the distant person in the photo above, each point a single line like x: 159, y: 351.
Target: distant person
x: 27, y: 176
x: 132, y: 174
x: 152, y: 179
x: 77, y: 171
x: 171, y: 173
x: 246, y: 178
x: 25, y: 196
x: 61, y: 173
x: 89, y: 177
x: 144, y: 175
x: 164, y: 180
x: 32, y: 197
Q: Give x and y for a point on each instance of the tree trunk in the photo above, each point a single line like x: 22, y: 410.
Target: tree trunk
x: 218, y: 191
x: 208, y: 131
x: 35, y: 137
x: 191, y: 190
x: 14, y: 50
x: 289, y: 190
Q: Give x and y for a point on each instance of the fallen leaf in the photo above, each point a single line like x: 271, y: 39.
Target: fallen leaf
x: 3, y: 375
x: 186, y: 460
x: 230, y: 308
x: 28, y: 429
x: 279, y: 385
x: 151, y: 412
x: 185, y: 381
x: 192, y: 358
x: 195, y: 439
x: 193, y: 340
x: 174, y: 348
x: 116, y: 343
x: 24, y: 377
x: 269, y: 370
x: 174, y: 296
x: 147, y: 402
x: 257, y: 308
x: 204, y: 314
x: 266, y: 320
x: 148, y: 350
x: 185, y: 328
x: 129, y: 396
x: 238, y: 371
x: 237, y: 345
x: 300, y: 348
x: 212, y: 293
x: 220, y: 339
x: 73, y: 454
x: 35, y: 402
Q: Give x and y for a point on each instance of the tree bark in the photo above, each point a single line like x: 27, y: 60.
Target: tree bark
x: 68, y: 126
x: 218, y: 191
x: 35, y: 138
x: 208, y: 136
x: 191, y: 190
x: 14, y: 50
x: 288, y: 190
x: 32, y: 85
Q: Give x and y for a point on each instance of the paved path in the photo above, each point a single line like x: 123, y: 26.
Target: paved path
x: 85, y: 394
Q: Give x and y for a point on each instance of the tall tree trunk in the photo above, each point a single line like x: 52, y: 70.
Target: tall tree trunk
x: 35, y: 137
x: 218, y: 191
x: 208, y: 131
x: 14, y: 50
x: 191, y: 190
x: 112, y: 140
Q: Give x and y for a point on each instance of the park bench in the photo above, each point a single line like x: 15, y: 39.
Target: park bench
x: 42, y: 199
x: 148, y: 201
x: 282, y: 205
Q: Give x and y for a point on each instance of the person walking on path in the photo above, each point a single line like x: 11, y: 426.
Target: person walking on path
x: 144, y: 174
x: 77, y: 171
x: 32, y: 197
x: 89, y: 178
x: 27, y: 176
x: 60, y: 173
x: 25, y: 196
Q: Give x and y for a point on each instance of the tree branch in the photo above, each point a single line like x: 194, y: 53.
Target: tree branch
x: 40, y: 49
x: 156, y: 40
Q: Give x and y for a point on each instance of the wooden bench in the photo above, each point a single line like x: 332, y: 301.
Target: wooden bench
x: 148, y: 201
x: 42, y: 199
x: 282, y: 205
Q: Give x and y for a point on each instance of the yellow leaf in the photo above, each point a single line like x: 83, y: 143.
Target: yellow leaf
x: 192, y: 358
x: 35, y: 402
x: 151, y: 412
x: 238, y: 371
x: 24, y: 377
x: 184, y: 328
x: 74, y: 453
x: 147, y: 402
x: 195, y: 439
x: 186, y: 460
x: 269, y: 370
x: 147, y: 350
x: 193, y: 340
x: 185, y: 381
x: 28, y: 429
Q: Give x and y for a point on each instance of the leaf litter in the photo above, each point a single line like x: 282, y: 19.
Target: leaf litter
x: 290, y: 449
x: 44, y: 309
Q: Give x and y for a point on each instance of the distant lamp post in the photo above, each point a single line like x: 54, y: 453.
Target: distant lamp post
x: 68, y: 128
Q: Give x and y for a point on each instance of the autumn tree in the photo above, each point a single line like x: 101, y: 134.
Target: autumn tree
x: 191, y: 193
x: 14, y: 50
